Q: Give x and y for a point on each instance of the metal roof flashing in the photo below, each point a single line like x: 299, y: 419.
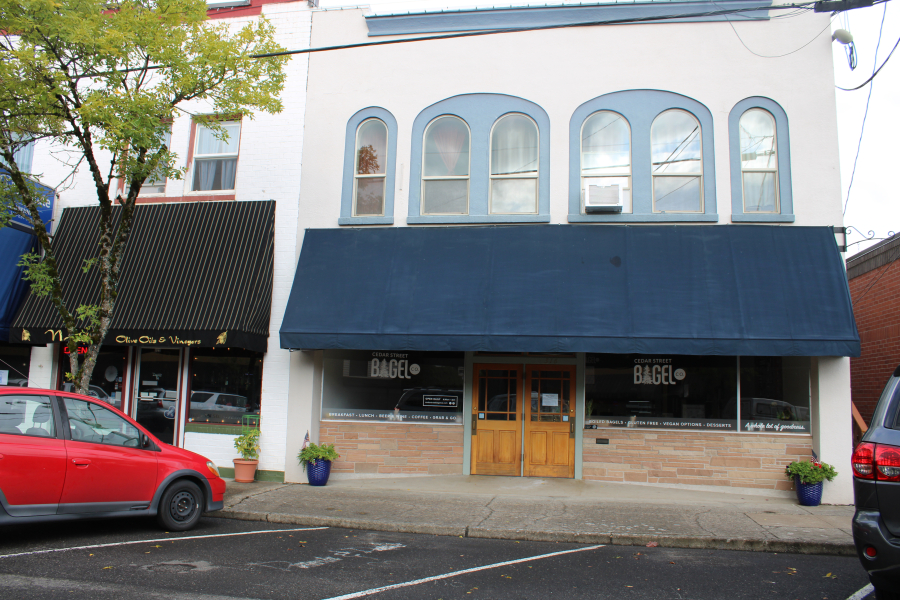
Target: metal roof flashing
x: 562, y: 14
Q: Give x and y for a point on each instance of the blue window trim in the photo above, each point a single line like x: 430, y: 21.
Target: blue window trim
x: 347, y: 218
x: 480, y: 112
x: 640, y: 108
x: 512, y: 17
x: 785, y: 195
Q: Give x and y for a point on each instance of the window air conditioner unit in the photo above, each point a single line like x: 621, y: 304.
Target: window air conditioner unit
x: 601, y: 196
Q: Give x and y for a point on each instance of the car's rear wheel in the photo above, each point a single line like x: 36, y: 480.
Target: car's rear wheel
x: 180, y: 507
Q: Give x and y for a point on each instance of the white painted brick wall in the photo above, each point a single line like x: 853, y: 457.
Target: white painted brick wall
x: 217, y: 447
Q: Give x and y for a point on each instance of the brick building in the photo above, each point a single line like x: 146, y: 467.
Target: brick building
x: 875, y: 289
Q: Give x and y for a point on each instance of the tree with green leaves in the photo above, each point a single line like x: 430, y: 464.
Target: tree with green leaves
x: 101, y: 81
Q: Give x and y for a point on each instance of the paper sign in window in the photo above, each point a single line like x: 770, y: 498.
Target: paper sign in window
x: 549, y: 399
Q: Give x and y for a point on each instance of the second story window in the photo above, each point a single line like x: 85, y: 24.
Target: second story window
x: 215, y: 160
x: 370, y: 168
x: 759, y: 162
x: 514, y: 165
x: 445, y: 167
x: 156, y: 182
x: 606, y: 162
x: 676, y: 153
x: 24, y: 157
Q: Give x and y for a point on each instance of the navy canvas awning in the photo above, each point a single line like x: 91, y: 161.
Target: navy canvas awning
x: 16, y: 239
x: 724, y: 289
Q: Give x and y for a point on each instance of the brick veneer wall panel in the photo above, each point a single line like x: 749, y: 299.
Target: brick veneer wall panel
x: 394, y: 448
x: 877, y: 313
x: 693, y: 458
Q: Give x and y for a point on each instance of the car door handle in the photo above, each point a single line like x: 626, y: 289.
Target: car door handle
x: 81, y: 462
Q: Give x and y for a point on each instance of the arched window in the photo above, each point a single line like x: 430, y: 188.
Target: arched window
x: 759, y: 161
x: 514, y: 165
x: 606, y: 163
x: 370, y: 168
x: 676, y: 154
x: 445, y: 167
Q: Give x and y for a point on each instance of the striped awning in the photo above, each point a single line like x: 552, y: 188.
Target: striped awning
x: 194, y: 274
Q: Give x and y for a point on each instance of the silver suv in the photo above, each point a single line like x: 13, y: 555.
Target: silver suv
x: 876, y: 487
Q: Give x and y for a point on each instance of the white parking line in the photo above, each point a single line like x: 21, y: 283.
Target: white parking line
x: 174, y: 539
x: 859, y: 595
x: 455, y: 573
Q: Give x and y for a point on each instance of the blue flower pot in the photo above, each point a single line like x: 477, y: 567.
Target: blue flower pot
x: 317, y: 471
x: 809, y: 494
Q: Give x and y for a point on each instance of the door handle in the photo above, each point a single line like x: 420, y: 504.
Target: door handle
x: 81, y: 462
x: 571, y: 428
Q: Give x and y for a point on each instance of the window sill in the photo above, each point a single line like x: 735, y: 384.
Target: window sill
x: 646, y: 218
x: 761, y: 218
x: 437, y: 219
x: 365, y: 220
x: 185, y: 198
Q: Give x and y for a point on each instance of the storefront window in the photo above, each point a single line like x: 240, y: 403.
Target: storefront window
x: 393, y: 386
x: 14, y: 362
x: 775, y: 394
x: 672, y: 392
x: 106, y: 379
x: 225, y: 386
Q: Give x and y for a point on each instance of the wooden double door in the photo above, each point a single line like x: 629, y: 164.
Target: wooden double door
x: 523, y: 420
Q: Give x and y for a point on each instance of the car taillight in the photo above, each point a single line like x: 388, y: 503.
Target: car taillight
x: 864, y: 461
x: 887, y: 461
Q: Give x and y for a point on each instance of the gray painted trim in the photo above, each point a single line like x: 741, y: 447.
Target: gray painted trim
x: 425, y: 219
x: 468, y: 382
x: 363, y: 220
x: 761, y: 218
x: 786, y: 199
x: 640, y: 108
x: 579, y: 416
x: 509, y: 18
x: 644, y: 218
x: 480, y: 112
x: 347, y: 217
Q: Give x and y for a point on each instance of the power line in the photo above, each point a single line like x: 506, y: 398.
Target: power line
x: 624, y: 21
x: 862, y: 129
x: 873, y: 74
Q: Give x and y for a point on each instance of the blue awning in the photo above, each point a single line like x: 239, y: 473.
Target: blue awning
x: 722, y: 289
x: 13, y: 244
x: 17, y: 239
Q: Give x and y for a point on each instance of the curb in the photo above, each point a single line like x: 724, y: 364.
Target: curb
x: 573, y: 537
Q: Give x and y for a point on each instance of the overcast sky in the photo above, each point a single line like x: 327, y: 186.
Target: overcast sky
x: 873, y: 205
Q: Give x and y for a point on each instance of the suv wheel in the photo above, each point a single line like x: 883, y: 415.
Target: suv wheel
x: 180, y: 507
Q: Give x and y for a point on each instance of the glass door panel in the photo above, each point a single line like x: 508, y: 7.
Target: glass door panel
x: 496, y: 420
x: 157, y: 396
x: 550, y: 422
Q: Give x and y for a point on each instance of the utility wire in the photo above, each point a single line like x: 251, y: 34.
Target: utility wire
x: 873, y: 74
x: 446, y: 36
x: 862, y: 129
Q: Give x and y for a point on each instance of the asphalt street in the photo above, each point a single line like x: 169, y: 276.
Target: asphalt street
x: 236, y: 559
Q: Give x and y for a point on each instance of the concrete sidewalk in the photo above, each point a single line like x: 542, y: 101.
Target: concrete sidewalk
x: 562, y: 510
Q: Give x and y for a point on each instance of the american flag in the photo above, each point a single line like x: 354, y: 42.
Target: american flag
x: 305, y: 441
x: 815, y: 457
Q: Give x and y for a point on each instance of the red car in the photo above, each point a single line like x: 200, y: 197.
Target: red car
x: 67, y: 456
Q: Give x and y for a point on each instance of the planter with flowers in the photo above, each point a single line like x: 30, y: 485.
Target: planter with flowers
x: 316, y: 460
x: 808, y: 476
